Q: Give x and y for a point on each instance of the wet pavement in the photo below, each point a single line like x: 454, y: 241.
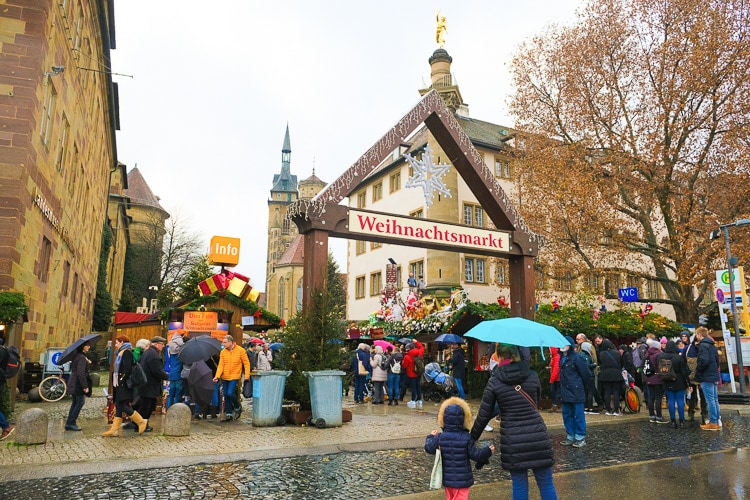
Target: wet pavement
x: 377, y: 455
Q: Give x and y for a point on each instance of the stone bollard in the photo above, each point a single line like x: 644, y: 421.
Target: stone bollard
x: 95, y: 379
x: 177, y: 421
x: 31, y: 427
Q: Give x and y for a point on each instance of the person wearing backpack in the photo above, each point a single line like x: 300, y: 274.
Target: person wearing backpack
x: 654, y: 383
x: 707, y: 373
x: 694, y: 392
x: 674, y: 374
x: 610, y: 376
x: 379, y: 364
x: 414, y: 350
x: 394, y: 375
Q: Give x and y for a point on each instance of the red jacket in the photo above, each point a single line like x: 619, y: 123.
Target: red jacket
x: 554, y: 365
x: 408, y: 363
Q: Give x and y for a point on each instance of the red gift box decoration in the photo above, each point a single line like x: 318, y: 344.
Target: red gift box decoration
x: 216, y: 283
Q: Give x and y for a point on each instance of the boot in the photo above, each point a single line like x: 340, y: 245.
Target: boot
x: 116, y: 429
x: 214, y: 411
x: 139, y: 421
x: 673, y: 422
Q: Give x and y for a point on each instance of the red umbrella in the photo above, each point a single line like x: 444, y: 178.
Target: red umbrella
x: 256, y: 340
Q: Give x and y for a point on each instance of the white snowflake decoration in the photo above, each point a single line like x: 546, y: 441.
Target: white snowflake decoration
x: 428, y: 175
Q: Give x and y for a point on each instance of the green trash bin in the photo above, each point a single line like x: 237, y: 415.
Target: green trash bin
x: 325, y: 397
x: 268, y: 397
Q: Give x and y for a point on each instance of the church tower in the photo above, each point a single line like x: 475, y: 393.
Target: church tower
x: 283, y: 193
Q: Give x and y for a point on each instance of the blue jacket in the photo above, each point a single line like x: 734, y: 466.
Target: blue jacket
x: 364, y: 357
x: 708, y: 361
x: 574, y: 375
x: 456, y: 444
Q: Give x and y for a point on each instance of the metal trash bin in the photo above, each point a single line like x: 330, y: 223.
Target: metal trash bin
x: 325, y: 397
x: 268, y: 397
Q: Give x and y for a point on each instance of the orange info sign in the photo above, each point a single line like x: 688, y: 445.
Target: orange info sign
x: 224, y: 251
x: 204, y: 322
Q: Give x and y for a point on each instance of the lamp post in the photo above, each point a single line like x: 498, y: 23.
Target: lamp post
x: 731, y: 261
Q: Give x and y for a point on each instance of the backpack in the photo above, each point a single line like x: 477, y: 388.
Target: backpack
x: 666, y: 370
x: 137, y: 377
x: 589, y: 362
x: 14, y: 362
x: 648, y: 370
x: 383, y: 362
x: 636, y: 358
x: 418, y: 365
x: 395, y: 366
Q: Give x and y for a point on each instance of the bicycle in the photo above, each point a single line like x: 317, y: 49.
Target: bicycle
x: 53, y: 388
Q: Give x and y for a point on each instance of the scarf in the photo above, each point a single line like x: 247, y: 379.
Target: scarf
x: 118, y: 359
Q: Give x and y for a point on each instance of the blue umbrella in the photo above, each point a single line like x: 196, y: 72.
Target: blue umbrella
x: 517, y: 331
x: 449, y: 338
x: 276, y: 346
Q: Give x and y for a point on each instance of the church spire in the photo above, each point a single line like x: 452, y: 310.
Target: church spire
x: 285, y: 181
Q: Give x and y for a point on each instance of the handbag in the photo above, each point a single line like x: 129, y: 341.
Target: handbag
x: 436, y: 478
x: 247, y: 389
x: 531, y: 401
x: 361, y: 367
x: 137, y: 377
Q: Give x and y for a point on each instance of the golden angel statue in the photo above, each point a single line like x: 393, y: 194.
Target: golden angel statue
x: 440, y: 29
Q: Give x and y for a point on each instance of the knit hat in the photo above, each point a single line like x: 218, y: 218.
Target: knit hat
x: 653, y: 343
x: 663, y: 340
x: 642, y: 340
x: 363, y: 347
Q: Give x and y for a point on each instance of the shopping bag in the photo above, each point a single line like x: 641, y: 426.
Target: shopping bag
x: 436, y: 478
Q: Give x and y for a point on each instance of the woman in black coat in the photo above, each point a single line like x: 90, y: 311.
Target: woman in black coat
x: 78, y: 386
x: 524, y: 441
x: 610, y: 376
x: 457, y: 363
x: 123, y: 395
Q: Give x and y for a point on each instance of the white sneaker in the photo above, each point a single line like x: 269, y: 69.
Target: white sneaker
x: 419, y: 404
x: 411, y: 404
x: 488, y: 429
x: 720, y: 424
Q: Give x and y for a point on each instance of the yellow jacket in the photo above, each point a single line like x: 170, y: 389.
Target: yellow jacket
x: 232, y: 362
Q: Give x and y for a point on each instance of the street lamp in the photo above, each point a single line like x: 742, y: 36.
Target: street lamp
x: 732, y: 261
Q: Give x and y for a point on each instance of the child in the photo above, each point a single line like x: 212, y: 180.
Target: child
x: 457, y: 448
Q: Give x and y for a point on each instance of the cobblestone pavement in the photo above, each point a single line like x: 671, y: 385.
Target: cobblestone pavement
x: 376, y: 455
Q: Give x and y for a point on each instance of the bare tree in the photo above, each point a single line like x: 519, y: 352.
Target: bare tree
x: 183, y: 251
x: 638, y: 119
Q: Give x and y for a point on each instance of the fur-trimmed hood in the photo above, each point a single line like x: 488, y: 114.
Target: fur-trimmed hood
x: 454, y: 415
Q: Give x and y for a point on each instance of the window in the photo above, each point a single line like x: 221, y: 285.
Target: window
x: 653, y: 290
x: 565, y: 282
x: 376, y: 283
x: 502, y: 273
x: 417, y: 268
x: 48, y: 109
x: 79, y: 27
x: 377, y: 191
x: 74, y: 289
x: 611, y: 284
x: 473, y: 215
x: 62, y: 152
x: 45, y: 255
x: 502, y: 168
x: 285, y: 225
x: 539, y: 279
x: 395, y: 182
x: 417, y: 214
x: 282, y: 296
x: 594, y: 282
x: 361, y: 200
x: 633, y: 281
x: 360, y: 247
x: 398, y: 276
x: 359, y: 287
x: 66, y: 278
x: 375, y: 245
x: 474, y: 270
x: 299, y: 295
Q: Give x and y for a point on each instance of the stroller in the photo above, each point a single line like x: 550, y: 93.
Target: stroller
x: 631, y: 394
x: 438, y: 385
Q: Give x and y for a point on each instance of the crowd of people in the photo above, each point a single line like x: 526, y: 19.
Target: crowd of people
x: 206, y: 385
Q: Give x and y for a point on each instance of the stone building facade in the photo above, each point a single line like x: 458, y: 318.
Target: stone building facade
x: 58, y: 116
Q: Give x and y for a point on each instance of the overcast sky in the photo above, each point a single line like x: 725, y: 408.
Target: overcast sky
x: 215, y: 84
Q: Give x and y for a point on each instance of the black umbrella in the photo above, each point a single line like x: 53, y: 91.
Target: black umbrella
x: 199, y: 349
x: 405, y: 340
x: 70, y: 353
x: 201, y: 382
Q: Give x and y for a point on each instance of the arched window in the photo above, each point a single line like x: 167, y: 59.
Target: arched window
x: 299, y: 295
x: 282, y: 297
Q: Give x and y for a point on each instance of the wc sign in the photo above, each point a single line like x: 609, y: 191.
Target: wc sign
x: 224, y: 251
x: 628, y: 294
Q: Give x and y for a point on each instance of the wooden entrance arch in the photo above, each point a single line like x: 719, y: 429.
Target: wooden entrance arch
x: 323, y: 217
